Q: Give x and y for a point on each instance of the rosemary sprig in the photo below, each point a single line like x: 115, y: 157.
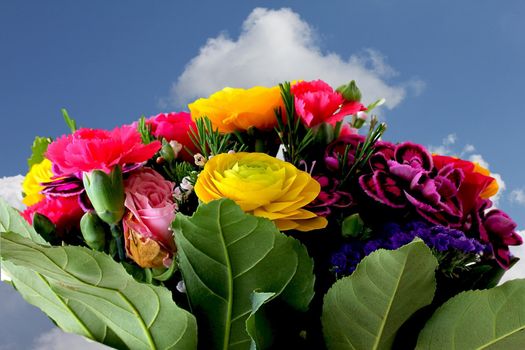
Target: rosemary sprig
x: 145, y: 131
x: 294, y: 137
x: 210, y: 141
x: 363, y: 152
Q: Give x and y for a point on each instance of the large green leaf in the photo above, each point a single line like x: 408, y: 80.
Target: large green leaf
x: 365, y: 310
x: 225, y: 256
x: 481, y: 319
x: 12, y: 221
x: 97, y: 291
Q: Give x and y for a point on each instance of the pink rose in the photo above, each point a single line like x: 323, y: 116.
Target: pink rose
x: 174, y: 127
x: 149, y: 201
x: 316, y: 102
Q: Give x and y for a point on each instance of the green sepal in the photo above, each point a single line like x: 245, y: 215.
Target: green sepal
x: 44, y: 227
x: 106, y: 193
x: 93, y: 231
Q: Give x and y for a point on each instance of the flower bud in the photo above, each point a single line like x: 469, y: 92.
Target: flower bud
x: 166, y: 152
x: 352, y: 226
x: 93, y: 231
x: 106, y: 193
x: 44, y: 227
x: 350, y: 91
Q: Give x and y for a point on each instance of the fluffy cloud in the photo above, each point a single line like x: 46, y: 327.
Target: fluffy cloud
x: 11, y: 190
x: 58, y: 340
x: 277, y: 45
x: 517, y: 196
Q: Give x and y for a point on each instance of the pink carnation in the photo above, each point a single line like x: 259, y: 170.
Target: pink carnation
x: 90, y: 149
x: 174, y: 127
x: 64, y: 212
x: 316, y: 102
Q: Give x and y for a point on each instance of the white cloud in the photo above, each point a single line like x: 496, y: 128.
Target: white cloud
x: 59, y: 340
x: 517, y: 196
x: 277, y: 45
x: 11, y: 190
x: 446, y: 145
x: 518, y: 270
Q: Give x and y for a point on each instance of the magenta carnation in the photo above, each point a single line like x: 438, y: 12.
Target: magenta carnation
x: 90, y: 149
x: 403, y: 176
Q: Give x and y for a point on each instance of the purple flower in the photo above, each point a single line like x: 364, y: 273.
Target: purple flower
x: 404, y: 177
x: 329, y: 197
x: 496, y: 229
x: 393, y: 236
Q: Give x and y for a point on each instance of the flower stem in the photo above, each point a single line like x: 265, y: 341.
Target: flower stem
x: 116, y: 232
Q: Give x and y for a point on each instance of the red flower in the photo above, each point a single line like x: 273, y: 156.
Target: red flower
x: 474, y: 185
x: 316, y: 102
x: 90, y: 149
x: 64, y: 212
x: 175, y: 127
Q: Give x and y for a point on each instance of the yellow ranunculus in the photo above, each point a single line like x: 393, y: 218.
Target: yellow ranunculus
x: 263, y: 186
x: 239, y: 109
x: 31, y: 186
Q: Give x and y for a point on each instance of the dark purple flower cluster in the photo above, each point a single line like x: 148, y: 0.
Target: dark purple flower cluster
x: 393, y: 236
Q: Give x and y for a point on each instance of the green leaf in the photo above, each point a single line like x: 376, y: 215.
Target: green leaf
x: 70, y: 122
x: 38, y: 150
x: 225, y: 255
x: 70, y: 316
x: 366, y: 309
x: 257, y: 325
x: 12, y: 221
x: 98, y: 292
x: 480, y: 319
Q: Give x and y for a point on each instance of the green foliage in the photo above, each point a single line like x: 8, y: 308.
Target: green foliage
x: 363, y: 152
x: 87, y: 293
x: 38, y: 149
x: 350, y: 91
x: 209, y: 141
x: 292, y: 134
x: 11, y: 221
x: 365, y: 310
x: 479, y: 319
x: 95, y: 291
x: 225, y: 256
x: 145, y: 131
x: 72, y: 125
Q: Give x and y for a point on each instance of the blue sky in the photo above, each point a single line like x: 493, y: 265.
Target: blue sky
x: 452, y: 73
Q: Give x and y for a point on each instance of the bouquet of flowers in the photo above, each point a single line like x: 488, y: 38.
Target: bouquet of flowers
x: 263, y: 218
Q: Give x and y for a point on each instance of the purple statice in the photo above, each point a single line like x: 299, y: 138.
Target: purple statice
x: 444, y: 241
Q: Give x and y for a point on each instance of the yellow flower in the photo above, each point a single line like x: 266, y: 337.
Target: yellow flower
x: 31, y: 186
x: 263, y: 186
x: 239, y: 109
